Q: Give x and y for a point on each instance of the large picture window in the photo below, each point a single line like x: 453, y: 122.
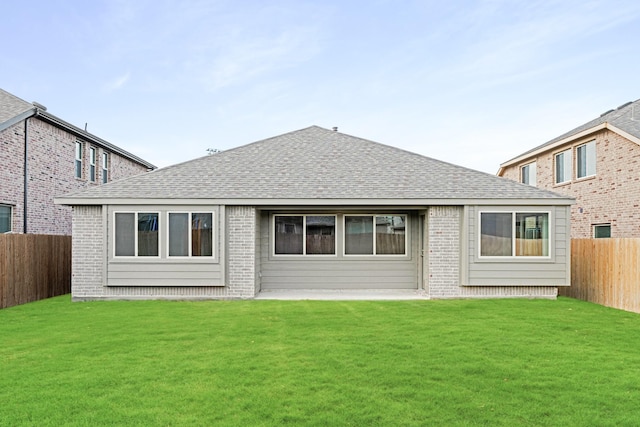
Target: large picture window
x: 191, y: 234
x: 136, y: 234
x: 305, y: 234
x: 586, y: 160
x: 514, y: 234
x: 375, y: 234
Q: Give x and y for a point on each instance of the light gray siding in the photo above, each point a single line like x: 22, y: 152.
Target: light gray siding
x: 164, y: 271
x: 339, y: 271
x: 522, y: 271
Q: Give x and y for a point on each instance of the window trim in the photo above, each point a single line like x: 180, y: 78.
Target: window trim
x: 528, y: 168
x: 92, y: 164
x: 79, y: 154
x: 3, y: 205
x: 513, y: 256
x: 105, y: 167
x: 135, y: 236
x: 304, y: 236
x: 190, y: 256
x: 585, y: 145
x: 375, y: 254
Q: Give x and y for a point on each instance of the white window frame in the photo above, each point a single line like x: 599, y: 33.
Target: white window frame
x: 589, y: 150
x: 528, y: 174
x: 77, y: 164
x: 304, y: 236
x: 375, y: 254
x: 105, y: 167
x: 567, y: 163
x: 92, y: 164
x: 213, y: 235
x: 10, y: 218
x: 513, y: 255
x: 135, y: 231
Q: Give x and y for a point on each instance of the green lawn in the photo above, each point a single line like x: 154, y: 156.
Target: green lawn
x: 322, y: 363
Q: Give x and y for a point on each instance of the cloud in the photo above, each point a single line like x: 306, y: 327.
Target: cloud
x: 118, y: 82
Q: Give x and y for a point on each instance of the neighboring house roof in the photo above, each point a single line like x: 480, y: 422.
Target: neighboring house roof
x: 624, y: 120
x: 14, y: 110
x: 314, y: 166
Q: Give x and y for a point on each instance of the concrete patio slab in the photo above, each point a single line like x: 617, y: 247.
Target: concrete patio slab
x: 343, y: 294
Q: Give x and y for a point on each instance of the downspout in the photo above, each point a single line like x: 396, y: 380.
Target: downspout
x: 25, y: 201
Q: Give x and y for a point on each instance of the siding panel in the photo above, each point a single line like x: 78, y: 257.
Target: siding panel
x: 338, y: 272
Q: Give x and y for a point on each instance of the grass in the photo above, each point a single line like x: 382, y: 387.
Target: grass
x: 319, y: 363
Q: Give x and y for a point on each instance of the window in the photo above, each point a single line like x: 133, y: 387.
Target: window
x: 602, y: 231
x: 92, y: 164
x: 508, y: 234
x: 136, y: 234
x: 78, y: 163
x: 375, y: 234
x: 305, y: 234
x: 191, y: 234
x: 586, y: 160
x: 105, y: 168
x: 5, y: 219
x: 563, y: 167
x: 528, y: 174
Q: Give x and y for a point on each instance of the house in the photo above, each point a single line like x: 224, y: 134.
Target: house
x: 597, y: 164
x: 317, y: 209
x: 42, y: 156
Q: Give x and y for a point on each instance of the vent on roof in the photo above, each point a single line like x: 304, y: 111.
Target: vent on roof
x: 40, y: 106
x: 624, y: 105
x: 335, y: 128
x: 606, y: 112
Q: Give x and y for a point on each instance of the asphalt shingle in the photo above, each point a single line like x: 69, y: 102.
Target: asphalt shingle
x: 315, y: 163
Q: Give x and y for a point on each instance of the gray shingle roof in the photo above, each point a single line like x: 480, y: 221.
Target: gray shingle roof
x: 314, y: 163
x: 626, y: 117
x: 11, y: 106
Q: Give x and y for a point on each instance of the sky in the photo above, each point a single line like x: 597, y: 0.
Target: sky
x: 474, y: 83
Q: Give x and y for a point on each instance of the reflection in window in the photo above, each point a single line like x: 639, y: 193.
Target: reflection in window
x: 497, y: 237
x: 289, y: 235
x: 198, y: 227
x: 131, y: 227
x: 496, y: 232
x: 387, y: 238
x: 320, y: 235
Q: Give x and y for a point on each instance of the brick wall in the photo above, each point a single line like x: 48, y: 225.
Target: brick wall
x: 87, y: 253
x: 611, y: 196
x: 443, y: 225
x: 241, y: 253
x: 51, y: 167
x: 89, y: 257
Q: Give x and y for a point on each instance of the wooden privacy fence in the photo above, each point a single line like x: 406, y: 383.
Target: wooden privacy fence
x: 606, y: 272
x: 33, y: 267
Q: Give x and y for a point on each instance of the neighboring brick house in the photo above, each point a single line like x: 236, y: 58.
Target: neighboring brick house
x: 43, y: 157
x: 597, y: 164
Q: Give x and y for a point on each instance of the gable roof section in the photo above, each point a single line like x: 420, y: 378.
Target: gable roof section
x: 624, y: 120
x: 14, y: 110
x: 312, y: 166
